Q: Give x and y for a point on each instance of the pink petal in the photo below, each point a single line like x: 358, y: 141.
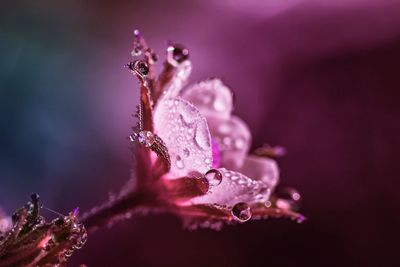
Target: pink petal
x: 211, y: 97
x: 233, y: 138
x: 263, y: 169
x: 180, y: 79
x: 185, y: 133
x: 234, y: 188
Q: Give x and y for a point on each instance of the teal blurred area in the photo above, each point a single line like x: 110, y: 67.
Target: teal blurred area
x: 52, y: 133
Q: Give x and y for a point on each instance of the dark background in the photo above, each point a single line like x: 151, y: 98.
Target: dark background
x: 320, y: 78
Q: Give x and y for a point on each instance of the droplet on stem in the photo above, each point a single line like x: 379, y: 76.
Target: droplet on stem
x: 137, y: 44
x: 146, y: 138
x: 140, y: 67
x: 176, y: 54
x: 241, y: 212
x: 179, y: 162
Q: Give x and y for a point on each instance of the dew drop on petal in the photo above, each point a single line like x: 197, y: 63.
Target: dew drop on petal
x: 234, y: 177
x: 186, y: 152
x: 179, y: 162
x: 241, y: 212
x: 239, y: 143
x: 214, y: 177
x: 177, y: 54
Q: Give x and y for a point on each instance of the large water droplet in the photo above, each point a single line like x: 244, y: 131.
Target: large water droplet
x: 288, y: 199
x: 201, y: 137
x: 241, y: 212
x: 214, y: 177
x: 177, y: 54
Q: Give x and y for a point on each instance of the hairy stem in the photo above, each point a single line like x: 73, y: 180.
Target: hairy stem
x: 114, y: 209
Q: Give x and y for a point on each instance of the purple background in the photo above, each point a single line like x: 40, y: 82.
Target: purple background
x: 320, y: 78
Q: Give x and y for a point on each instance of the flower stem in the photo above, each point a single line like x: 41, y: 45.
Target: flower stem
x: 113, y: 210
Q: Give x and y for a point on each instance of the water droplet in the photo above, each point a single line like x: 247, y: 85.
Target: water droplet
x: 68, y: 252
x: 239, y: 143
x: 177, y: 54
x: 214, y: 177
x: 227, y: 141
x: 179, y: 162
x: 186, y: 152
x: 146, y: 138
x: 201, y: 138
x: 241, y: 212
x: 142, y: 67
x: 137, y: 44
x: 136, y: 51
x: 242, y: 181
x: 288, y: 199
x: 185, y: 118
x: 220, y: 105
x: 234, y: 177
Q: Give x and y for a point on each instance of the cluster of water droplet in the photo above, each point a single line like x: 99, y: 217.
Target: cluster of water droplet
x: 145, y: 138
x: 185, y: 133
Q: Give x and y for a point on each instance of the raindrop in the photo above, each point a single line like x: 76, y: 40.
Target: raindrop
x: 185, y: 118
x: 227, y: 141
x: 186, y: 152
x: 241, y: 212
x: 288, y: 199
x: 68, y: 253
x: 176, y: 54
x: 234, y: 177
x: 201, y: 138
x: 137, y: 45
x: 242, y: 181
x: 141, y: 67
x: 214, y: 177
x: 220, y: 105
x: 146, y: 138
x: 239, y: 143
x: 179, y: 162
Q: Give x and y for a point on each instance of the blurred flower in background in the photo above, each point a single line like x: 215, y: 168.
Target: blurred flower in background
x: 318, y: 77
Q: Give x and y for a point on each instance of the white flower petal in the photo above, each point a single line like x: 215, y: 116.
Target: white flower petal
x: 211, y: 97
x: 233, y: 138
x: 261, y: 168
x: 180, y: 79
x: 234, y: 188
x: 186, y: 135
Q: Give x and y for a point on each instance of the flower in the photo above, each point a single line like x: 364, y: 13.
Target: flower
x: 191, y: 154
x: 208, y: 177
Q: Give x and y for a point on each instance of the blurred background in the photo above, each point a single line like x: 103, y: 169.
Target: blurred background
x: 318, y: 77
